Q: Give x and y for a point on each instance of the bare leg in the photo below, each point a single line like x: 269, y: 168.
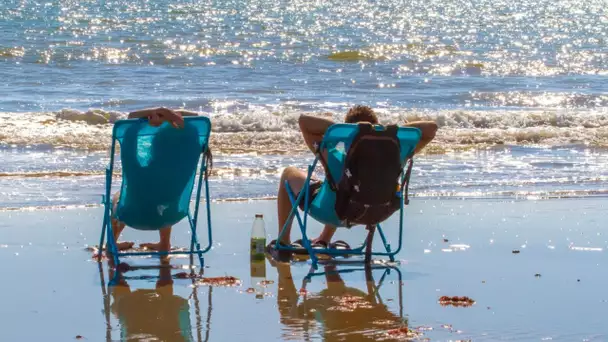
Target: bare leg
x: 327, y: 233
x: 117, y: 228
x: 164, y: 245
x: 296, y: 179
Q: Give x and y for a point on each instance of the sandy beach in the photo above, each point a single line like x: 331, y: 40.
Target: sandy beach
x: 508, y: 202
x: 553, y: 289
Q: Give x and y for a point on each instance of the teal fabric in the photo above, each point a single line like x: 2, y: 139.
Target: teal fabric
x: 158, y: 170
x: 336, y: 142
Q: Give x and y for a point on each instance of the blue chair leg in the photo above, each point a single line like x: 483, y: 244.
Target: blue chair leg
x: 103, y: 234
x: 193, y: 219
x: 387, y: 245
x: 208, y: 208
x: 111, y: 245
x: 195, y: 246
x: 400, y: 243
x: 313, y: 258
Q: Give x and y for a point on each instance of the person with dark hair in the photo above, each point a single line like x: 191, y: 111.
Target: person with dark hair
x: 313, y: 129
x: 361, y: 114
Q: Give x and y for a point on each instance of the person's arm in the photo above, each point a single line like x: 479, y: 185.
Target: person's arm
x: 156, y: 116
x: 428, y: 130
x: 144, y: 113
x: 313, y: 128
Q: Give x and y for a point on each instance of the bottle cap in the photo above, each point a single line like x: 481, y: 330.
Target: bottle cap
x: 259, y: 216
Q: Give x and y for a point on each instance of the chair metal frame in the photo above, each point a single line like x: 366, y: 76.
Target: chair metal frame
x: 195, y: 247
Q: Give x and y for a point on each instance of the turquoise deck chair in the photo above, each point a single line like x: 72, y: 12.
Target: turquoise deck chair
x: 336, y: 142
x: 159, y: 167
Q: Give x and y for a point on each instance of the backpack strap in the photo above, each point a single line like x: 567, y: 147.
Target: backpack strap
x: 391, y: 130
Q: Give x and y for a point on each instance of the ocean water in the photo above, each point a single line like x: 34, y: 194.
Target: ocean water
x: 518, y: 88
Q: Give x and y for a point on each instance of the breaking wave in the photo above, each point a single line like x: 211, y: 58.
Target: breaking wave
x: 272, y: 130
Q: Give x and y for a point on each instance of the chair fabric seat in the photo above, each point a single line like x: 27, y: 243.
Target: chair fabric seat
x: 159, y: 167
x: 159, y: 171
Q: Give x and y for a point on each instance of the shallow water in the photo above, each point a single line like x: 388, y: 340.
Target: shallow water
x: 404, y: 54
x: 560, y: 240
x: 59, y: 177
x: 487, y: 71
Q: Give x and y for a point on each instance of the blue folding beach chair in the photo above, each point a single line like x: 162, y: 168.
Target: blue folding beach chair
x: 336, y: 201
x: 159, y: 167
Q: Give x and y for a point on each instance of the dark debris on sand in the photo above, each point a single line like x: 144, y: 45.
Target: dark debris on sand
x: 211, y: 281
x: 456, y: 301
x: 403, y: 332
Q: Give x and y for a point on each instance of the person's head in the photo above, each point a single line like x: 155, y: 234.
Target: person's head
x: 361, y: 114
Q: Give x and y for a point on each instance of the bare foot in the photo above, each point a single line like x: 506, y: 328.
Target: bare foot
x: 120, y: 246
x: 123, y: 246
x: 156, y: 247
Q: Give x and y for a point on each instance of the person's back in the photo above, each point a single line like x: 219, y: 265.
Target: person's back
x: 157, y: 170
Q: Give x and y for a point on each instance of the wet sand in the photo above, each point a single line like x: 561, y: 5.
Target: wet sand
x: 553, y: 289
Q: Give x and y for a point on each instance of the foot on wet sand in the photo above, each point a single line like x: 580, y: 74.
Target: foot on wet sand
x: 122, y: 246
x: 156, y: 247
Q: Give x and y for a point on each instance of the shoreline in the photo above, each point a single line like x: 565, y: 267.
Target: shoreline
x: 533, y: 199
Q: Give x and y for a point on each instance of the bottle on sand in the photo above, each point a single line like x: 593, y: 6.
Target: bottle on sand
x: 258, y: 262
x: 258, y: 238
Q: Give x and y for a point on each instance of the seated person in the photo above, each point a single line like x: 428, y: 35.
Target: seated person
x: 155, y: 116
x: 313, y: 128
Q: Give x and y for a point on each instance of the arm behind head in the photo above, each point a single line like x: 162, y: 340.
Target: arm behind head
x: 428, y: 130
x: 313, y: 129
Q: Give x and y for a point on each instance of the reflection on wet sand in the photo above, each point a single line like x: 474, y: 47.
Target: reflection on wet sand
x: 336, y: 312
x: 152, y: 314
x: 339, y: 312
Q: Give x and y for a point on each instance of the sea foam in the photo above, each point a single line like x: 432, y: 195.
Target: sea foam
x: 263, y: 130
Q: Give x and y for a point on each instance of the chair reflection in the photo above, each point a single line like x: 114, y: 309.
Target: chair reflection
x: 153, y: 314
x: 338, y: 312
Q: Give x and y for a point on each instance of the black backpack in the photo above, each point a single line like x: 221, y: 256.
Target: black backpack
x: 367, y: 191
